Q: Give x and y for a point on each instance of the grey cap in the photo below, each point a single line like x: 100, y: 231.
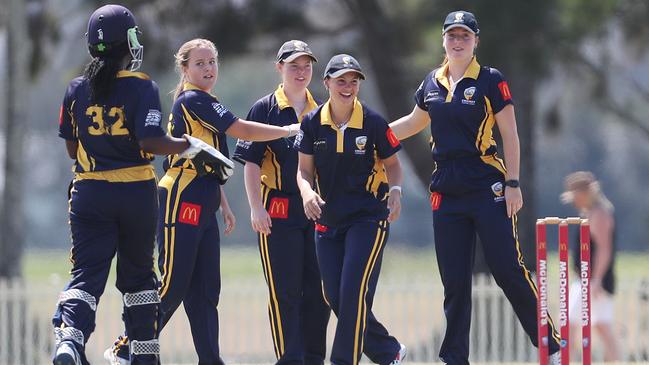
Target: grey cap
x: 293, y: 49
x: 341, y: 64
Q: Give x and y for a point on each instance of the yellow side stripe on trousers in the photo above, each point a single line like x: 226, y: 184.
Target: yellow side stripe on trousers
x: 169, y: 227
x: 361, y: 293
x: 273, y: 304
x: 382, y: 243
x: 528, y: 277
x: 278, y: 335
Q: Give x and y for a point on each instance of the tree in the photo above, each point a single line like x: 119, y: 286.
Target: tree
x: 12, y: 218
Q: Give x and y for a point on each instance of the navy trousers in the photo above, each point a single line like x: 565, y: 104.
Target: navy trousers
x: 108, y: 219
x: 297, y: 310
x: 350, y: 261
x: 189, y: 257
x: 456, y: 220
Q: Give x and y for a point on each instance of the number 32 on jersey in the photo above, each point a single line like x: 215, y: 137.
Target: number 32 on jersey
x: 98, y: 127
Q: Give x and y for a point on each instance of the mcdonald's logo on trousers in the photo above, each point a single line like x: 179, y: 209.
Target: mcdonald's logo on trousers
x: 189, y: 213
x: 278, y: 208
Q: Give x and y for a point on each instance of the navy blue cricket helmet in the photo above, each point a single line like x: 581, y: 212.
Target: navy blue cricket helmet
x: 112, y: 31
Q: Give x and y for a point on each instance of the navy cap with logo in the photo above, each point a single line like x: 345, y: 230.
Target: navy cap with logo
x: 341, y: 64
x: 293, y: 49
x: 461, y: 19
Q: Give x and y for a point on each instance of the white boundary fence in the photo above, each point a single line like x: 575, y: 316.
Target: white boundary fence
x: 412, y: 311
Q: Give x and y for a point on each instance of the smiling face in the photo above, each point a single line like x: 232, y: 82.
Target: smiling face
x: 296, y: 74
x: 459, y: 44
x: 201, y: 69
x: 344, y: 88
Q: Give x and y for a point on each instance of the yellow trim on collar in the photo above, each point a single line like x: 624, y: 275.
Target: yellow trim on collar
x: 189, y: 86
x: 472, y: 71
x: 283, y: 103
x: 139, y: 75
x: 355, y: 121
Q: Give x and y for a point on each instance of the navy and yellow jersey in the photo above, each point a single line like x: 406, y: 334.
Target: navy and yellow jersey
x: 108, y: 132
x: 462, y: 119
x: 277, y: 159
x: 201, y: 115
x: 349, y: 174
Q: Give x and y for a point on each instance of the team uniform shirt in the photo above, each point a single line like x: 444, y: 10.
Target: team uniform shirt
x: 108, y: 132
x: 462, y: 118
x: 201, y: 115
x: 350, y: 176
x: 277, y: 159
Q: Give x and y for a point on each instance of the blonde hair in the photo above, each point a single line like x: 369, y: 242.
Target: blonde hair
x: 182, y: 59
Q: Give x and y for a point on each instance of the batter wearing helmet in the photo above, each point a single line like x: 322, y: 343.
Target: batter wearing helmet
x: 110, y: 120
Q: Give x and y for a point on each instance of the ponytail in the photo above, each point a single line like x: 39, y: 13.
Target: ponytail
x: 101, y: 74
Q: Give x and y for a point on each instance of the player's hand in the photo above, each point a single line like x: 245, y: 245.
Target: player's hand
x: 229, y: 220
x: 312, y: 205
x: 293, y: 129
x: 394, y: 205
x: 513, y: 200
x: 260, y: 220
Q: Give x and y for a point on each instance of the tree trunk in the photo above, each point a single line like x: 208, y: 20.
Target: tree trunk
x: 381, y: 43
x: 12, y: 219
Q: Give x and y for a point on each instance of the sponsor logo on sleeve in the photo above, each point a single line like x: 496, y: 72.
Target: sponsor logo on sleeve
x: 435, y: 200
x: 504, y: 90
x: 278, y: 208
x: 244, y: 144
x: 219, y: 109
x: 153, y: 118
x: 392, y: 139
x: 298, y: 139
x: 189, y: 213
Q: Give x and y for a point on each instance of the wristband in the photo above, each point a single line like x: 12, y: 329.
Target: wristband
x: 512, y: 183
x: 396, y: 187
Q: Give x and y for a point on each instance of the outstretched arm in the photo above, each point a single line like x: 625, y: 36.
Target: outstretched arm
x: 410, y: 124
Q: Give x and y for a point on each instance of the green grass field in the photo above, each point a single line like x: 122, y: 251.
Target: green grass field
x: 242, y: 262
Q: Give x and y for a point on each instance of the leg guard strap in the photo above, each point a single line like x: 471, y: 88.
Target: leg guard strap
x: 80, y: 295
x: 69, y: 333
x: 141, y: 298
x: 150, y: 347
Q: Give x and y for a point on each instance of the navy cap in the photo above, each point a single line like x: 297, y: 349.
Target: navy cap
x: 293, y: 49
x: 461, y: 19
x: 341, y: 64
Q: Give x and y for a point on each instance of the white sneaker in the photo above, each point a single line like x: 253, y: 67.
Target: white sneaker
x: 555, y: 359
x: 113, y: 359
x: 66, y: 354
x: 401, y: 355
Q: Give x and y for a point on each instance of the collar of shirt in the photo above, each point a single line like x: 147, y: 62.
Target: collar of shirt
x: 189, y: 86
x: 283, y: 103
x: 471, y: 72
x: 139, y: 75
x: 355, y: 121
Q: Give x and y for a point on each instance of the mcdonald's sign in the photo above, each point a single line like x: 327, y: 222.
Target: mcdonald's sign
x: 278, y: 208
x: 189, y: 213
